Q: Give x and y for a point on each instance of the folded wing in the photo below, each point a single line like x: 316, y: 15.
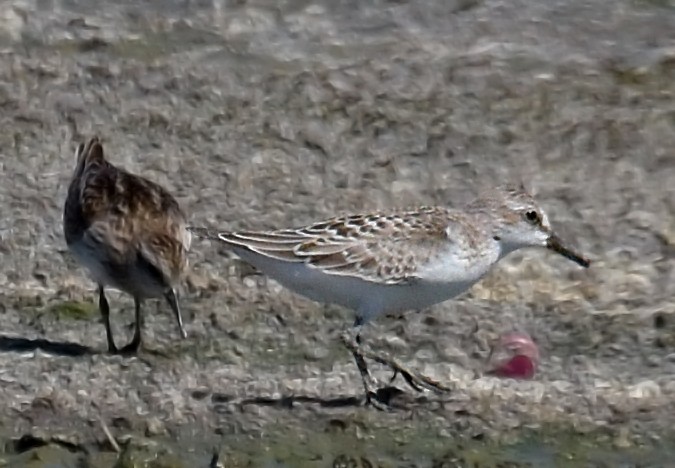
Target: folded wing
x: 384, y: 248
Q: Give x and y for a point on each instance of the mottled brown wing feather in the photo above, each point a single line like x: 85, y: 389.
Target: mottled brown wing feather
x: 279, y: 245
x: 140, y: 217
x: 164, y: 254
x: 112, y: 190
x: 382, y: 247
x: 113, y: 244
x: 393, y: 260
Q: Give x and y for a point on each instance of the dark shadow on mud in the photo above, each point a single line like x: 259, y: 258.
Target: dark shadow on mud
x: 60, y: 348
x: 289, y: 402
x: 28, y: 442
x: 386, y: 395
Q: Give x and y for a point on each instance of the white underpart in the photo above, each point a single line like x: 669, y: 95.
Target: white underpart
x: 450, y: 274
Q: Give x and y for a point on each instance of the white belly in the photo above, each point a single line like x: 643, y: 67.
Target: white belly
x: 367, y: 298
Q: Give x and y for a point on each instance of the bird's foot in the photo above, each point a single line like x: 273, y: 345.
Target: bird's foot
x: 131, y: 349
x: 380, y: 397
x: 112, y: 349
x: 417, y: 381
x: 385, y: 398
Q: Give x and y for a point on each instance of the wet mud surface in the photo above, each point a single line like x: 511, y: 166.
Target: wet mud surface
x: 270, y: 114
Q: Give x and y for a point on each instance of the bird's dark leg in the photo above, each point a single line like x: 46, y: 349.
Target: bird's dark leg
x: 173, y: 302
x: 135, y: 343
x: 105, y: 312
x: 352, y: 341
x: 406, y: 376
x: 415, y: 380
x: 418, y: 382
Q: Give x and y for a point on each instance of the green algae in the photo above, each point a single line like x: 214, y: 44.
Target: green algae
x: 74, y: 310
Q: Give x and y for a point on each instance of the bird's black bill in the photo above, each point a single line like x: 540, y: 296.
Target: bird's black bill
x: 556, y: 245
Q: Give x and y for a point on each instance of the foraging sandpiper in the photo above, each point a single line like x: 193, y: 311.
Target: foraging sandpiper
x: 129, y: 233
x: 392, y: 261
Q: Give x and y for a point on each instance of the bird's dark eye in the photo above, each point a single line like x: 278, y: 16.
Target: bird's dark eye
x: 533, y: 217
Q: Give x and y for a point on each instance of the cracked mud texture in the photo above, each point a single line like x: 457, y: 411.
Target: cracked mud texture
x: 267, y: 114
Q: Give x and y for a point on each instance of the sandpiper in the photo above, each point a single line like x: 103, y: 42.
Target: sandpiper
x: 391, y: 261
x: 128, y: 232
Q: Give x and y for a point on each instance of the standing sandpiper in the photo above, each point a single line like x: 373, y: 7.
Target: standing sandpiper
x: 128, y: 232
x: 391, y: 261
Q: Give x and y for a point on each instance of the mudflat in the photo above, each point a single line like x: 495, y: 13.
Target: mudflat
x: 276, y: 114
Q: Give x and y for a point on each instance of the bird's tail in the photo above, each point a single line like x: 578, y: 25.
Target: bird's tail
x: 203, y: 233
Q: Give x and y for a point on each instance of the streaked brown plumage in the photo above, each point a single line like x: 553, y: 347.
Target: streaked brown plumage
x: 129, y: 233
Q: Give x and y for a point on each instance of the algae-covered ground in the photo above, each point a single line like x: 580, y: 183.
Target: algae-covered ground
x: 262, y: 114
